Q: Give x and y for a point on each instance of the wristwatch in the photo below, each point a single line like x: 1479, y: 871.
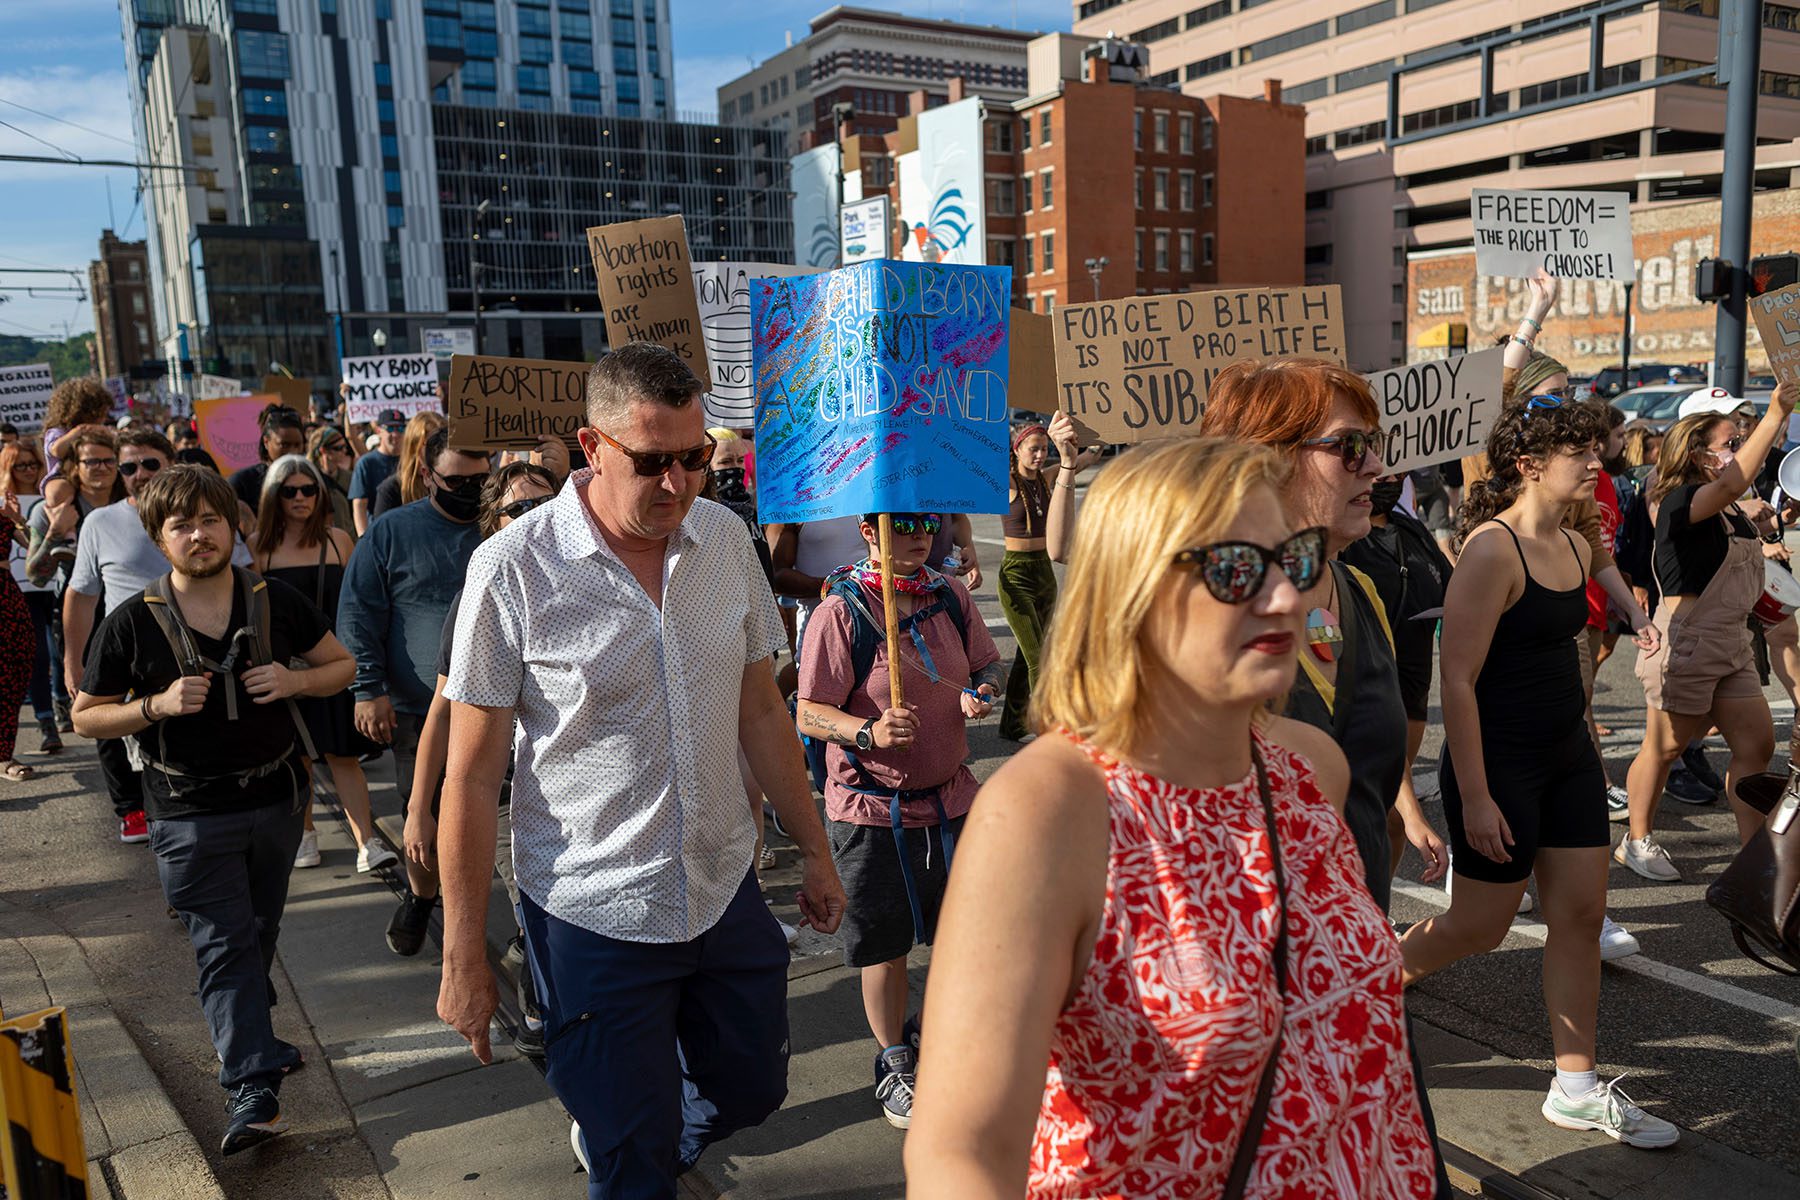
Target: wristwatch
x: 865, y: 737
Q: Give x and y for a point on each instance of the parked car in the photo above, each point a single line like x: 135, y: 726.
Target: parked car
x: 1610, y: 382
x: 1655, y: 406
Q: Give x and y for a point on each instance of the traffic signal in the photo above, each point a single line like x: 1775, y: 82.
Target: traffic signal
x: 1771, y: 272
x: 1712, y: 279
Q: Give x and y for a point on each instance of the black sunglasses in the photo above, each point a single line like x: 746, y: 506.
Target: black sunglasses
x: 519, y: 508
x: 657, y: 462
x: 308, y: 490
x: 1353, y: 446
x: 1234, y: 571
x: 455, y: 482
x: 149, y: 465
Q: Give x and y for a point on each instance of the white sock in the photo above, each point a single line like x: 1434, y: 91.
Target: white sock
x: 1576, y: 1084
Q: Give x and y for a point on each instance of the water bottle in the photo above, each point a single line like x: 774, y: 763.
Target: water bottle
x: 952, y: 564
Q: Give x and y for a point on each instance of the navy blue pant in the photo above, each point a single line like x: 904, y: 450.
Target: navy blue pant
x: 660, y: 1049
x: 226, y: 876
x: 46, y: 662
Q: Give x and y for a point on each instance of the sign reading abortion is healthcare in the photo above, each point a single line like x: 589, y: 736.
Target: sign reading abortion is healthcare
x: 881, y: 387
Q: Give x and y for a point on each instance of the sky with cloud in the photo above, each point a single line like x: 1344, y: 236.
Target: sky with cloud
x: 63, y: 93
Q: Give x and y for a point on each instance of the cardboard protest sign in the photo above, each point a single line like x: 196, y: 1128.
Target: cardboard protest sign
x: 229, y: 429
x: 374, y: 384
x: 1031, y: 367
x: 1136, y: 369
x: 217, y: 387
x: 1438, y: 409
x: 1777, y: 316
x: 646, y: 286
x: 25, y: 394
x: 1572, y: 235
x: 722, y: 293
x: 295, y: 393
x: 881, y: 387
x: 514, y: 403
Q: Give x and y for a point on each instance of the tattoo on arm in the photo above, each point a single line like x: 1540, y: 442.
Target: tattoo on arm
x: 823, y: 726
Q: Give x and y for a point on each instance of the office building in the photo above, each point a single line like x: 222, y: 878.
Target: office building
x: 873, y: 61
x: 124, y: 324
x: 1372, y: 203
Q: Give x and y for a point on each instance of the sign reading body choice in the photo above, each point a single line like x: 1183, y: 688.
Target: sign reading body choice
x: 1572, y: 235
x: 25, y: 394
x: 722, y: 290
x: 881, y: 387
x: 1439, y: 409
x: 374, y: 384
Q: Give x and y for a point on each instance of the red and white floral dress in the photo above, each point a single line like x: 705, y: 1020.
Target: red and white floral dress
x: 1154, y: 1064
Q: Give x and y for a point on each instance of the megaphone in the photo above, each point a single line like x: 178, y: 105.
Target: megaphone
x: 1788, y: 473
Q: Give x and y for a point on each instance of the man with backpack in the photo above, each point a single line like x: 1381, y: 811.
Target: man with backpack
x: 896, y: 788
x: 195, y: 670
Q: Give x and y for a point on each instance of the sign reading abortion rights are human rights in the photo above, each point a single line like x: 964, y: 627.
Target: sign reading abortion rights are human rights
x: 881, y: 387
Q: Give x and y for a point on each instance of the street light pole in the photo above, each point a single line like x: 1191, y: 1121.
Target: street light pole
x: 1740, y: 59
x: 475, y: 269
x: 1094, y: 267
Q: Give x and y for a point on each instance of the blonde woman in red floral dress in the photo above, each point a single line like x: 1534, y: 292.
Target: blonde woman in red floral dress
x: 1137, y: 991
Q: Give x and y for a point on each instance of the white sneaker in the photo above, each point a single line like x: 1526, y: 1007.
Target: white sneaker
x: 575, y: 1145
x: 790, y: 932
x: 1610, y: 1111
x: 1616, y: 941
x: 1526, y: 903
x: 374, y: 855
x: 1647, y: 858
x: 308, y: 854
x: 1618, y: 803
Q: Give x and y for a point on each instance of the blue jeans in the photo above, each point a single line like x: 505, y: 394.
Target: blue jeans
x: 46, y: 663
x: 226, y: 875
x: 660, y: 1049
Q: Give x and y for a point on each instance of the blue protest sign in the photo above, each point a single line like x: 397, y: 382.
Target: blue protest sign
x: 881, y: 387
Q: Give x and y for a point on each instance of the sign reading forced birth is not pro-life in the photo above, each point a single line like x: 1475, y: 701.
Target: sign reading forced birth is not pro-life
x: 881, y: 387
x: 1137, y: 369
x: 1572, y: 235
x: 514, y: 403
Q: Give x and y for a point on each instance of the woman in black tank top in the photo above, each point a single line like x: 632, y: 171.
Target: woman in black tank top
x: 1523, y: 786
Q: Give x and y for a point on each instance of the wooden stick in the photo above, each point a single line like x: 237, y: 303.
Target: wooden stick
x: 896, y: 694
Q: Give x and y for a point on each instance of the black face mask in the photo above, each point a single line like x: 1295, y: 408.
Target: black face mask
x: 460, y: 503
x: 1384, y: 495
x: 730, y: 487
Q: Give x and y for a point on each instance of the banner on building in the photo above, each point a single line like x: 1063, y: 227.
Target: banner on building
x: 646, y: 284
x: 1136, y: 369
x: 1438, y: 409
x: 25, y: 394
x: 864, y: 228
x: 442, y: 343
x: 881, y: 387
x: 814, y: 178
x: 375, y: 383
x: 943, y: 187
x: 1777, y: 316
x: 722, y: 291
x: 1572, y: 235
x: 514, y: 403
x: 231, y: 430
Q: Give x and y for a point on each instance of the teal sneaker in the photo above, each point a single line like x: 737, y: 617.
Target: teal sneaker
x: 1610, y: 1111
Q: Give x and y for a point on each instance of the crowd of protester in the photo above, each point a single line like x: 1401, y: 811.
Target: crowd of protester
x: 605, y: 684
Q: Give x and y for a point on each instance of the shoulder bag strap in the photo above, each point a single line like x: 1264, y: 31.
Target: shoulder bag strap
x: 1248, y: 1141
x: 319, y: 583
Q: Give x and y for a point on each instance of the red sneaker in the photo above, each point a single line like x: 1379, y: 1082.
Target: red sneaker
x: 133, y: 828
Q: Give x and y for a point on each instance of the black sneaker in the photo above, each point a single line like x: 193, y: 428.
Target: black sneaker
x: 1694, y: 759
x: 406, y: 932
x: 894, y: 1084
x: 52, y: 743
x: 255, y: 1117
x: 65, y: 723
x: 1689, y: 790
x: 528, y: 1039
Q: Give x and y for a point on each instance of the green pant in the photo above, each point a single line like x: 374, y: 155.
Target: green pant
x: 1027, y: 590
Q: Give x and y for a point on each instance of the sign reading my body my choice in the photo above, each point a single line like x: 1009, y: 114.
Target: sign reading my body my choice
x: 407, y: 382
x: 1133, y: 370
x: 1438, y: 409
x: 1572, y: 235
x: 881, y: 387
x: 514, y: 403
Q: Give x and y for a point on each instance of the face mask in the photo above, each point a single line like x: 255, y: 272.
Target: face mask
x: 730, y: 487
x: 461, y: 503
x: 1383, y: 496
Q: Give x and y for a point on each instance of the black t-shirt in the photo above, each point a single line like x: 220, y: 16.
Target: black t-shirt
x: 445, y: 642
x: 387, y: 496
x: 1689, y: 553
x: 248, y: 483
x: 130, y: 654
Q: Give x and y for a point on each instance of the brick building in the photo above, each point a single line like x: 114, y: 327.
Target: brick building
x: 1175, y: 192
x: 124, y: 329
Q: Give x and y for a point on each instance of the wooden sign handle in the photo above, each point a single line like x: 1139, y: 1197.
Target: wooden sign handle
x: 896, y: 694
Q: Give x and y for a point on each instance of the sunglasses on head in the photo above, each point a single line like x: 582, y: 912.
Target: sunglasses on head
x: 519, y: 508
x: 296, y: 490
x: 1234, y: 571
x: 1352, y: 446
x: 651, y: 463
x: 149, y: 465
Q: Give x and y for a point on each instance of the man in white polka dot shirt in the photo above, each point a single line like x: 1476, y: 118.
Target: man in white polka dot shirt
x: 626, y: 629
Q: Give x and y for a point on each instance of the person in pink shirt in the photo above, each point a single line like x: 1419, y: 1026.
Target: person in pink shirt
x: 896, y: 788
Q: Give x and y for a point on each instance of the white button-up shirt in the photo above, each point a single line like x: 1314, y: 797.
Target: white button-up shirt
x: 628, y: 811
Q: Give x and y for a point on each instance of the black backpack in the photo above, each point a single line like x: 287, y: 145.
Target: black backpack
x: 866, y: 633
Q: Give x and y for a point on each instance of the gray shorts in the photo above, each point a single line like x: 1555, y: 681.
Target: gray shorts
x: 878, y: 919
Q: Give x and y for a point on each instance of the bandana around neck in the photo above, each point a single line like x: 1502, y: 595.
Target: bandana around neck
x: 922, y: 582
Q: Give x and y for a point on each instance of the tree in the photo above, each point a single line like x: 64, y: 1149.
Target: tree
x: 67, y: 359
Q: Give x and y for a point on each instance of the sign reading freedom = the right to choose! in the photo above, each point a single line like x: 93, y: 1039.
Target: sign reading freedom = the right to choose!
x: 1438, y: 409
x: 1572, y: 235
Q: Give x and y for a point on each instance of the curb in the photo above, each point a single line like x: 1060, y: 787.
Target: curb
x: 138, y: 1147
